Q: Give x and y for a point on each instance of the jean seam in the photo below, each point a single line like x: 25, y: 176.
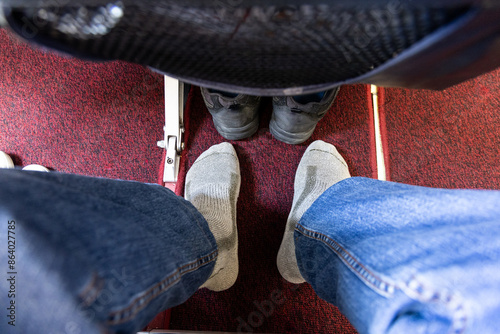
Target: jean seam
x: 92, y: 290
x: 380, y: 285
x: 416, y: 290
x: 412, y: 288
x: 139, y: 303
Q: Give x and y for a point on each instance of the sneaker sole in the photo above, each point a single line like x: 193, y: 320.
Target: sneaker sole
x: 288, y: 137
x: 238, y: 133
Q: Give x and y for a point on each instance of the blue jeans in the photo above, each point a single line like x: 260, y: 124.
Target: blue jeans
x: 96, y: 254
x: 403, y: 259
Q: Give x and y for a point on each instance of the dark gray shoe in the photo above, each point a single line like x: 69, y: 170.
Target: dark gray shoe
x: 295, y: 117
x: 235, y: 116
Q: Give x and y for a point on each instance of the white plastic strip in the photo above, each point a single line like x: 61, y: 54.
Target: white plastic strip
x: 381, y: 168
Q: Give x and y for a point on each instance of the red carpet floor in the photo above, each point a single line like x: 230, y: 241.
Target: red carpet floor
x: 105, y: 119
x: 79, y: 117
x: 448, y: 139
x: 440, y: 139
x: 268, y: 169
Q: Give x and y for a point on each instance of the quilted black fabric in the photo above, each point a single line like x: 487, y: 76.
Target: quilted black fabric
x: 236, y: 43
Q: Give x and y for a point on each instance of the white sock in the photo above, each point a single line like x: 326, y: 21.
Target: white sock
x: 320, y: 167
x: 213, y: 186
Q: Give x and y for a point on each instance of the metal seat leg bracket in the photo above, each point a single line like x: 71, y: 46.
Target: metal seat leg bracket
x: 174, y: 128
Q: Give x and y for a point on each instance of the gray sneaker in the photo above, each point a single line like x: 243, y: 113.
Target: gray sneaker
x: 235, y: 116
x: 295, y: 117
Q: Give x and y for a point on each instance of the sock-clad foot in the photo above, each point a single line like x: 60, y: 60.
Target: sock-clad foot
x: 320, y: 167
x: 213, y: 186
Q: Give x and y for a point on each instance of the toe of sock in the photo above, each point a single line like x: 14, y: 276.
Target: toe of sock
x: 320, y: 152
x: 320, y: 145
x: 222, y: 148
x: 219, y: 165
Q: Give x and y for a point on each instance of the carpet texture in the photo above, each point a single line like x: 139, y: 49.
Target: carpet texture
x: 104, y: 120
x: 98, y: 119
x: 95, y: 119
x: 447, y: 139
x: 261, y: 301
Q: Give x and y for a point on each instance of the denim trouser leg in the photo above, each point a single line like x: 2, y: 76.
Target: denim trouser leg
x: 112, y: 252
x: 403, y: 259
